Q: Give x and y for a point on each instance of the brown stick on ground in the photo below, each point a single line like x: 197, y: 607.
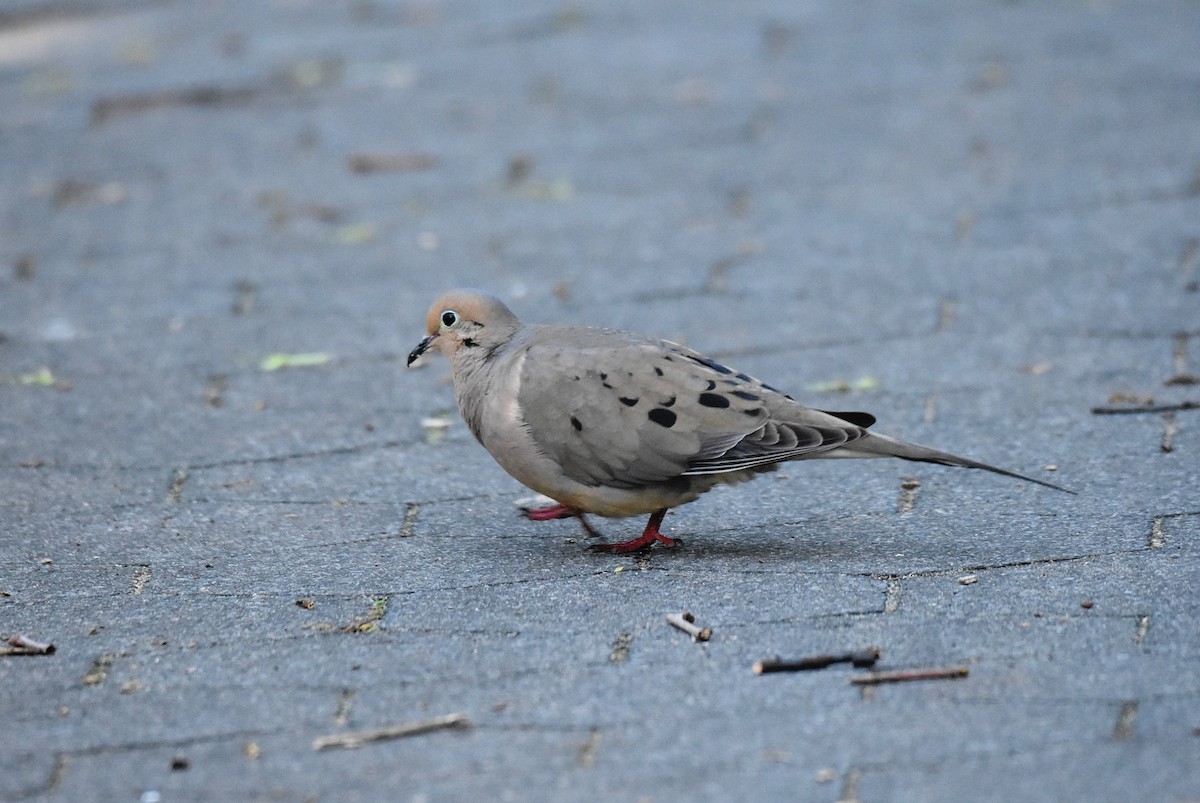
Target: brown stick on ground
x: 860, y: 658
x: 941, y: 673
x: 390, y: 162
x: 1147, y: 408
x: 355, y: 739
x: 23, y: 645
x: 687, y: 623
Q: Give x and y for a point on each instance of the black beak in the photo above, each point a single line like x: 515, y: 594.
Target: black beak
x: 421, y: 348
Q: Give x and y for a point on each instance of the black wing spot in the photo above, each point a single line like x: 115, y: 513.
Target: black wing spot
x: 469, y: 343
x: 669, y: 402
x: 603, y: 376
x: 662, y: 417
x: 606, y: 385
x: 713, y: 400
x: 713, y: 364
x: 628, y: 402
x: 745, y: 378
x: 773, y: 390
x: 858, y: 419
x: 755, y: 413
x: 747, y: 395
x: 575, y: 423
x: 711, y: 385
x: 658, y: 370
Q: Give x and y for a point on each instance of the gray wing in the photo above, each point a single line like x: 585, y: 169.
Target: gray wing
x: 618, y: 411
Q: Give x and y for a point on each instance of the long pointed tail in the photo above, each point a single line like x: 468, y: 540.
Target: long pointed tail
x: 883, y: 445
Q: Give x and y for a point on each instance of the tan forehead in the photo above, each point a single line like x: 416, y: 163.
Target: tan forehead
x: 471, y: 306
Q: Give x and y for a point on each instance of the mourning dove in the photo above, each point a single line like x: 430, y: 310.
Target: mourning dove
x: 617, y: 424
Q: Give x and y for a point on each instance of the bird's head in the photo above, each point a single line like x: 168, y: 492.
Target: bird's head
x: 466, y: 319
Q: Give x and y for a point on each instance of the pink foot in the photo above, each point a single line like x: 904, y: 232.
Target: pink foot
x: 549, y: 512
x: 559, y: 512
x: 643, y: 541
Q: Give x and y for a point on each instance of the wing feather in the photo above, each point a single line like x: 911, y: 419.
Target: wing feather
x: 618, y: 411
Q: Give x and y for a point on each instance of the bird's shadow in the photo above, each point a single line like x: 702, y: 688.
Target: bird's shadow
x: 817, y: 552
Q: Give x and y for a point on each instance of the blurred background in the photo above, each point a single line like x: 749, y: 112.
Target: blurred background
x: 221, y: 224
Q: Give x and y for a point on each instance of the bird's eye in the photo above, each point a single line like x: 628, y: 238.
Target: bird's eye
x: 449, y: 318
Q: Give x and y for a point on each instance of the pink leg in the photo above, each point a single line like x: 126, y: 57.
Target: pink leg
x: 559, y: 512
x: 549, y: 512
x: 643, y: 541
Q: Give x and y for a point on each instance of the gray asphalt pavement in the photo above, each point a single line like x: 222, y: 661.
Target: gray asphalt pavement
x: 244, y: 526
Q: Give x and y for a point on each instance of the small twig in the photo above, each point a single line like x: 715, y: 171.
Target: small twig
x: 390, y: 162
x: 1170, y: 428
x: 687, y: 623
x: 859, y: 658
x: 908, y: 495
x: 23, y: 645
x: 942, y: 673
x: 356, y: 739
x: 1147, y: 408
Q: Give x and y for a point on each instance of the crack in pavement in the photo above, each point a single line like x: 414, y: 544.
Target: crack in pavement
x: 233, y: 461
x: 62, y: 757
